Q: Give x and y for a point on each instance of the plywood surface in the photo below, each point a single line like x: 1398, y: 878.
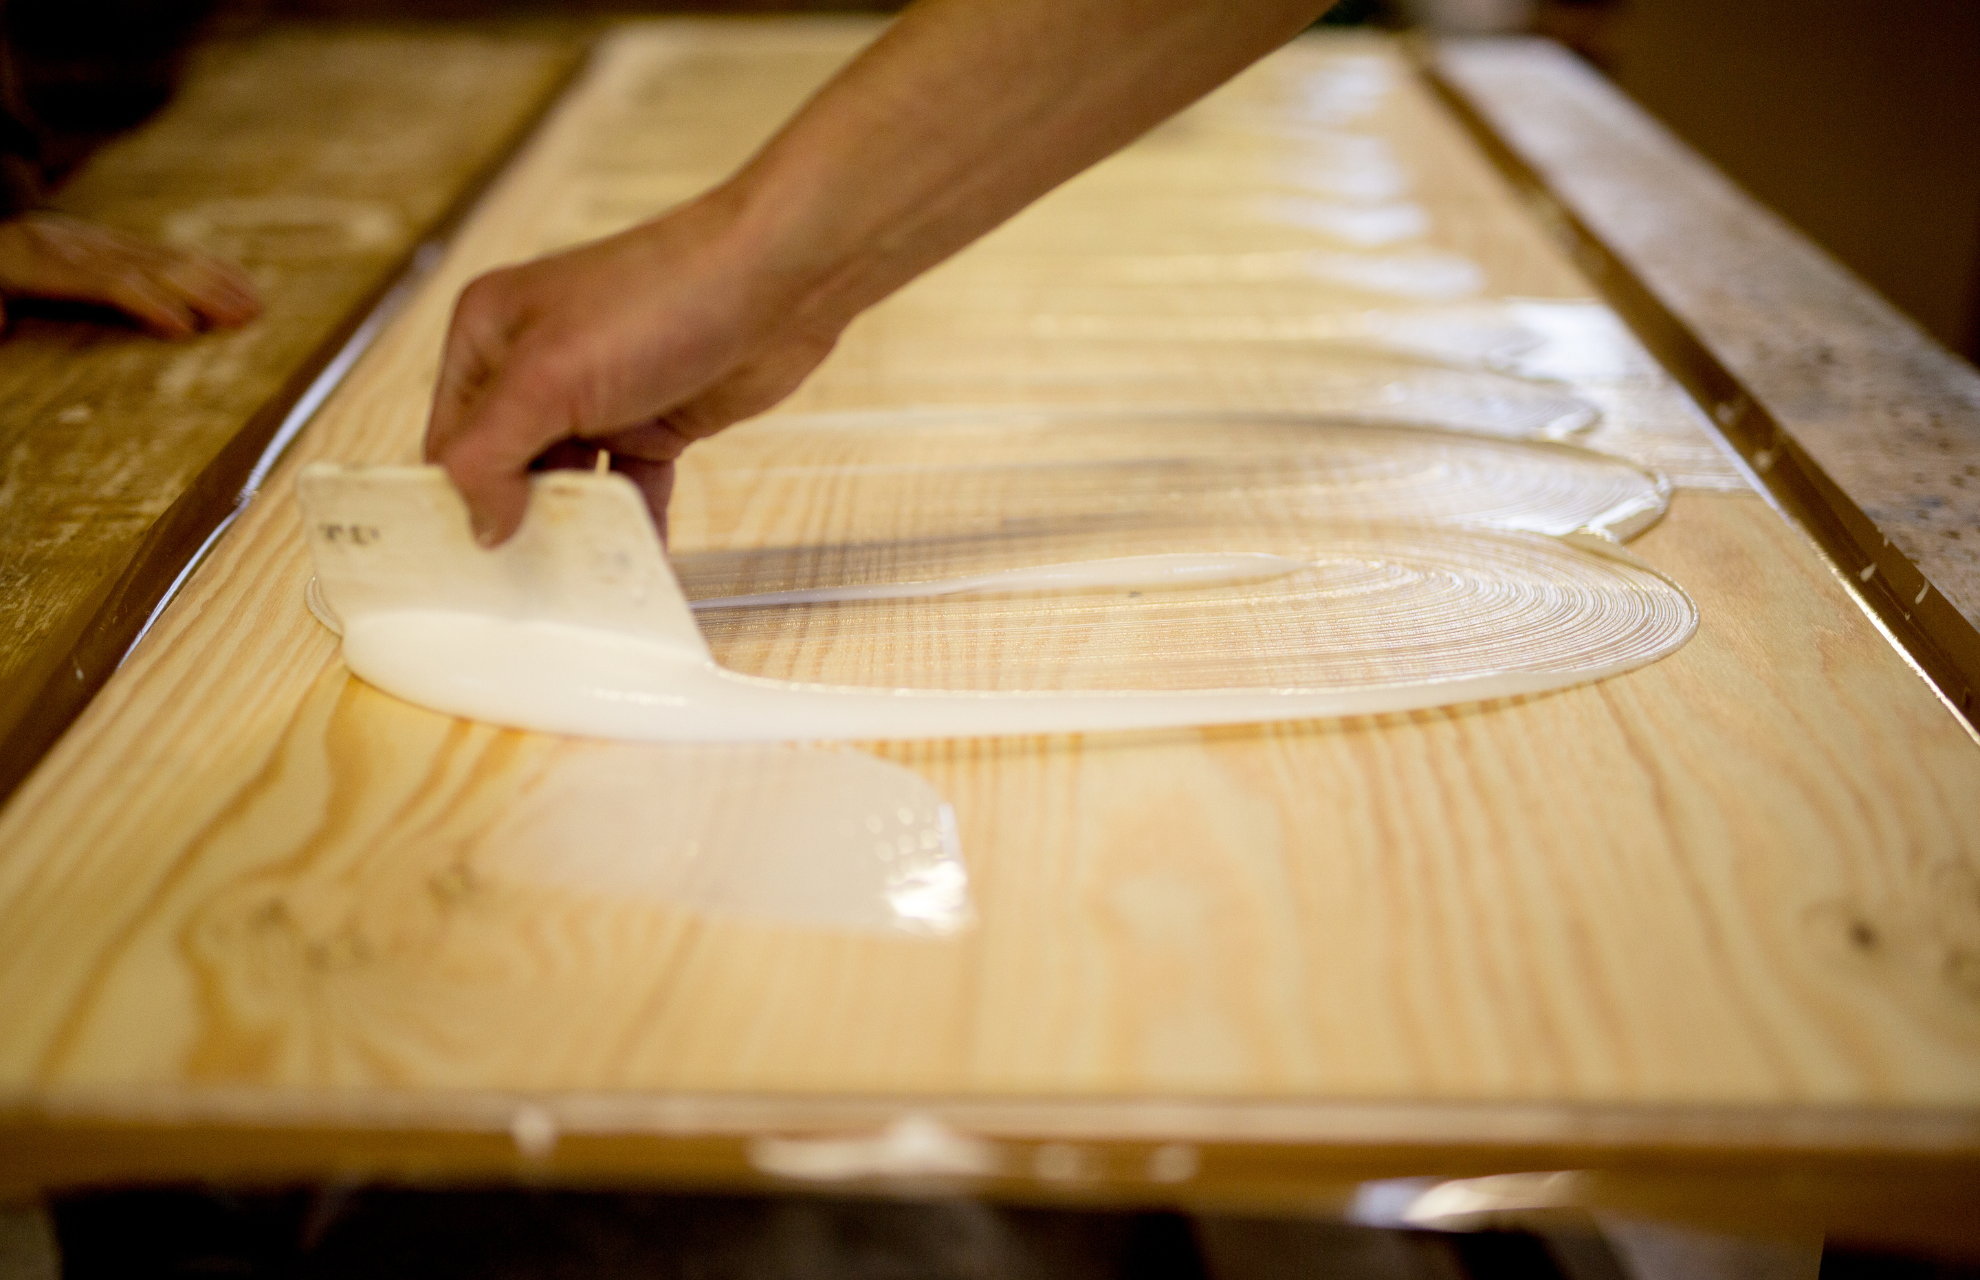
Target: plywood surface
x: 1746, y: 877
x: 315, y: 159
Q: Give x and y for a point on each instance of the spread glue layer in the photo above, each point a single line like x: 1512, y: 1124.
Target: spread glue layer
x: 990, y: 467
x: 795, y: 835
x: 577, y: 625
x: 1172, y: 570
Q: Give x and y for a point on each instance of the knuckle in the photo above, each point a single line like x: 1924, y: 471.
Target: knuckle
x: 488, y: 295
x: 480, y: 294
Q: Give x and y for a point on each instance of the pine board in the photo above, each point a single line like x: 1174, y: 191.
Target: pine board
x: 1743, y: 882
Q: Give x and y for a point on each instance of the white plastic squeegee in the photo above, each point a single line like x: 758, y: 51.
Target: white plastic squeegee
x: 577, y: 625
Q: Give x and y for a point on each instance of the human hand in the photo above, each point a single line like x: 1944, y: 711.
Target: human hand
x: 954, y: 119
x: 638, y: 344
x: 174, y: 293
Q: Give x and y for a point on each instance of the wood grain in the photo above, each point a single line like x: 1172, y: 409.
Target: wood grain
x: 318, y: 160
x: 1742, y: 883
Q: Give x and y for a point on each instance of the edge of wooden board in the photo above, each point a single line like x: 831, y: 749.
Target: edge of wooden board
x: 1927, y: 626
x: 1890, y: 1176
x: 177, y: 539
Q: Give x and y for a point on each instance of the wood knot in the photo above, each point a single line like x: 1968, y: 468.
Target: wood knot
x: 451, y: 884
x: 1961, y: 970
x: 1928, y: 939
x: 1846, y: 929
x: 344, y: 950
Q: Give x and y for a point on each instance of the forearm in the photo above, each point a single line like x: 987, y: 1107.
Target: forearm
x: 960, y: 115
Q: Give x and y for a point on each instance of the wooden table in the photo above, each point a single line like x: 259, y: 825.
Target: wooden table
x: 1705, y: 933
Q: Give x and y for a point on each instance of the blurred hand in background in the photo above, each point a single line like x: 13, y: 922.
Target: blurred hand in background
x: 173, y: 293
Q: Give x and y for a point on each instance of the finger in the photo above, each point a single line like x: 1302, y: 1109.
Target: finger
x: 525, y: 410
x: 70, y: 250
x: 215, y: 294
x: 477, y: 342
x: 77, y: 260
x: 52, y: 262
x: 656, y: 485
x: 206, y: 283
x: 656, y: 441
x: 571, y: 455
x: 213, y: 308
x: 230, y: 277
x: 145, y: 300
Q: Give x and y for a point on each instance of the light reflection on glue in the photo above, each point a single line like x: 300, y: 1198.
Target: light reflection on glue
x: 1364, y: 226
x: 833, y: 839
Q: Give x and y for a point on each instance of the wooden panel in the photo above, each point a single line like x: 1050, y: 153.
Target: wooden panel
x: 1743, y: 882
x: 317, y: 160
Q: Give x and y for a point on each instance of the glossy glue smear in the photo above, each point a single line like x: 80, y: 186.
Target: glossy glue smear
x: 785, y: 834
x: 1468, y: 337
x: 1172, y: 571
x: 991, y: 467
x: 577, y: 625
x: 1372, y: 607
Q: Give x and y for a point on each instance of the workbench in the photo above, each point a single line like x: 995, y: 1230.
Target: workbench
x: 1706, y: 936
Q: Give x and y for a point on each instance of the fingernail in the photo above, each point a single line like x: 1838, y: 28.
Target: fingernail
x: 484, y: 532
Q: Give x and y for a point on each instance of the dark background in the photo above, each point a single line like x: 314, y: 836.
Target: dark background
x: 1859, y: 123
